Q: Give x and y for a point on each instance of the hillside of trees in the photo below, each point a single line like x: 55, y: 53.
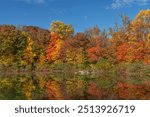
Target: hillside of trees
x: 125, y: 48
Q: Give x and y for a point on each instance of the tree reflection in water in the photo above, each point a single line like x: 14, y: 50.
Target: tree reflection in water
x: 60, y: 87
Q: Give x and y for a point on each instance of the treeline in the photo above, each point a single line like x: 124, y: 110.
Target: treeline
x: 21, y: 46
x: 28, y: 47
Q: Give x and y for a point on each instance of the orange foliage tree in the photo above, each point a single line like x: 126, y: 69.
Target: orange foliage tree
x: 98, y: 43
x: 94, y: 53
x: 59, y: 33
x: 131, y: 52
x: 53, y: 49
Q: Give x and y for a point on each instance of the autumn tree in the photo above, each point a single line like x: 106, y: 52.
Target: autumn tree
x: 28, y: 54
x: 141, y: 28
x: 117, y: 36
x: 12, y: 46
x: 98, y: 44
x: 135, y: 48
x: 131, y: 52
x: 53, y: 49
x: 40, y: 38
x: 94, y: 53
x: 74, y: 49
x: 59, y: 33
x: 63, y: 31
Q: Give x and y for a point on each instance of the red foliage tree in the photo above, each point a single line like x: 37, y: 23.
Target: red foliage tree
x: 131, y: 52
x: 94, y: 53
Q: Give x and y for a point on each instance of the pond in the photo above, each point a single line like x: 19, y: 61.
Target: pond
x: 63, y: 86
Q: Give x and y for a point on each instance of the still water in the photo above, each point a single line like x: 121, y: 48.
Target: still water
x: 73, y: 87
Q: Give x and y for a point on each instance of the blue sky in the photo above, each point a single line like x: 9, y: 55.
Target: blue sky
x: 82, y: 14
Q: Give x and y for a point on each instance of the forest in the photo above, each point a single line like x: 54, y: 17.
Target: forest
x: 122, y: 49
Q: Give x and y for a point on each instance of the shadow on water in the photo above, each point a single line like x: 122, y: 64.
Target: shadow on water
x: 73, y: 87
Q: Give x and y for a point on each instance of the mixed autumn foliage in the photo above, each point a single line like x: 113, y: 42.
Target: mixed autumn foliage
x: 55, y: 87
x: 35, y: 48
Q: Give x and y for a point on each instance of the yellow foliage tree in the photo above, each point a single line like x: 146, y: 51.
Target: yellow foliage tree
x: 28, y: 55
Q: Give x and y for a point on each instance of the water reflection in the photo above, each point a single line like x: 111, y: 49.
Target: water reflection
x: 57, y: 87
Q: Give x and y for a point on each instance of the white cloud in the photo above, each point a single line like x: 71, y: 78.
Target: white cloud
x: 34, y: 1
x: 125, y: 3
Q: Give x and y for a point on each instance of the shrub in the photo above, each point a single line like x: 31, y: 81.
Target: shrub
x: 103, y: 64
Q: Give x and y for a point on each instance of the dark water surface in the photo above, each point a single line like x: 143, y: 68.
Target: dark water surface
x: 66, y: 87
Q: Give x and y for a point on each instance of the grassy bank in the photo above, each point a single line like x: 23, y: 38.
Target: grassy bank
x: 103, y: 66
